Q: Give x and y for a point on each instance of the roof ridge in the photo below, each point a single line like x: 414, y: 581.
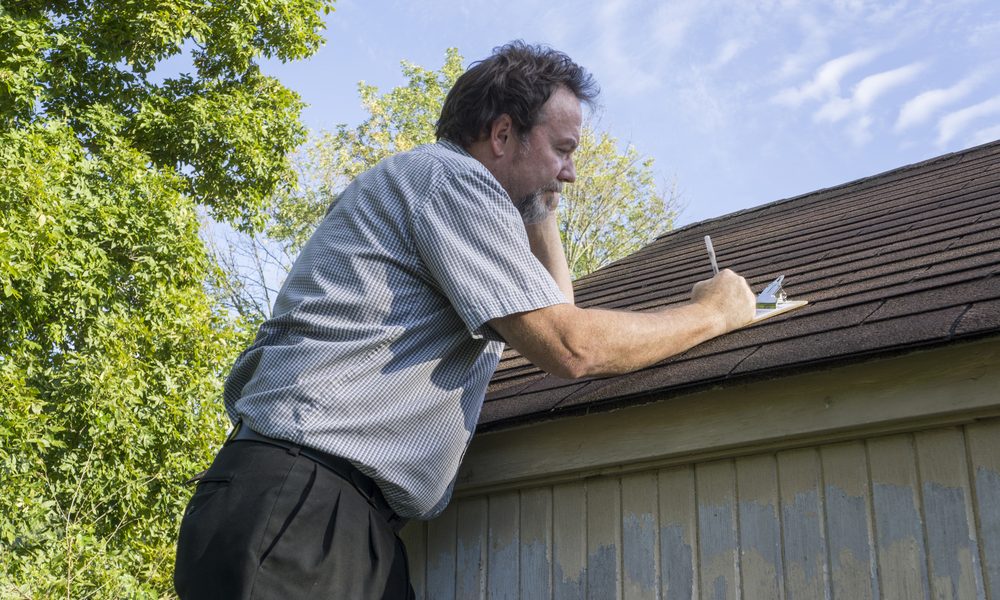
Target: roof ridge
x: 898, y: 170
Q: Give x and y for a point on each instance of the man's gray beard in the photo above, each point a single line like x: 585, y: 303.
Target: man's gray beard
x: 532, y: 208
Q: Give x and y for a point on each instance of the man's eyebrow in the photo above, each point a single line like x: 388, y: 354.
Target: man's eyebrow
x: 568, y: 141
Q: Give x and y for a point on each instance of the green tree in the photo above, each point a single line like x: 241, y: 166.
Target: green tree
x: 612, y: 210
x: 111, y: 349
x: 614, y: 207
x: 399, y: 120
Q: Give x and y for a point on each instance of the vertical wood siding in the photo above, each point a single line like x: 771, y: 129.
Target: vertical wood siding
x: 906, y: 516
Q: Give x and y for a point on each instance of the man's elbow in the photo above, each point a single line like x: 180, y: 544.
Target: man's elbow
x: 567, y: 370
x: 557, y: 340
x: 573, y: 364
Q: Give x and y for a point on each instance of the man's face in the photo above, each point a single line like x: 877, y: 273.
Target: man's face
x: 544, y: 159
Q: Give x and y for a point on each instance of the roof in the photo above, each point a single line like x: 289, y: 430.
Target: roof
x: 903, y: 260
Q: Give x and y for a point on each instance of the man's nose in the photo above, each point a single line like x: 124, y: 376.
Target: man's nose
x: 568, y: 173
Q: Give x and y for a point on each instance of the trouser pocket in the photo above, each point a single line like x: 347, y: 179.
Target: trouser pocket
x: 207, y: 488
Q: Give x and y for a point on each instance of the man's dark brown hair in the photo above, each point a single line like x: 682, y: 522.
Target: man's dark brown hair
x: 517, y: 79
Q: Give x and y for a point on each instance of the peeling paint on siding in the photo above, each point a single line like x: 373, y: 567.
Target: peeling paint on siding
x: 847, y: 535
x: 988, y: 495
x: 676, y: 562
x: 720, y: 589
x: 715, y: 531
x: 468, y: 569
x: 569, y: 541
x: 504, y: 545
x: 440, y: 576
x: 900, y: 538
x: 568, y: 587
x: 905, y: 516
x: 760, y: 532
x: 953, y: 552
x: 805, y: 551
x: 639, y: 532
x: 602, y: 572
x: 503, y: 579
x: 535, y: 568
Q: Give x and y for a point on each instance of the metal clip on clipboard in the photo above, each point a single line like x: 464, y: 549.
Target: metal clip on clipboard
x: 774, y: 301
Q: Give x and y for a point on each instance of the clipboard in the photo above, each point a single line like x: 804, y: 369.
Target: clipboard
x: 781, y: 308
x: 771, y: 302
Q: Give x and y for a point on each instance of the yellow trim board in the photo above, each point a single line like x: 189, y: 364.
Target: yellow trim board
x: 783, y: 307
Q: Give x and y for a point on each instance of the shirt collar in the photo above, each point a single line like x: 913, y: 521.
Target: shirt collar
x: 450, y: 145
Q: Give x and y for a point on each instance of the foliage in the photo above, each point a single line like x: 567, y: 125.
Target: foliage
x: 111, y: 350
x: 612, y: 210
x: 225, y: 130
x: 399, y: 120
x: 614, y: 207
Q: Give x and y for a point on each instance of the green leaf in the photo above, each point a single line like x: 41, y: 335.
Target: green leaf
x: 111, y: 349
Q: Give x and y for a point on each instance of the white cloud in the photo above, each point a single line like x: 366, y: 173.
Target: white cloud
x: 813, y: 48
x: 984, y: 136
x: 826, y: 82
x: 873, y: 86
x: 887, y: 14
x: 671, y: 23
x: 953, y: 123
x: 834, y: 110
x: 985, y: 34
x: 623, y: 70
x: 860, y: 131
x: 707, y: 107
x: 920, y: 108
x: 613, y: 11
x: 867, y: 92
x: 727, y: 53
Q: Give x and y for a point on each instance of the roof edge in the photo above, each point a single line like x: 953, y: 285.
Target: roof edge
x: 669, y: 393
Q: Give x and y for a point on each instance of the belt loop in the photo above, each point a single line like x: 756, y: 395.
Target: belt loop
x: 363, y: 484
x: 232, y: 432
x: 293, y: 450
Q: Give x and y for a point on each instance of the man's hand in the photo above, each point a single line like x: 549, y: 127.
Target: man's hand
x: 546, y: 245
x: 727, y: 295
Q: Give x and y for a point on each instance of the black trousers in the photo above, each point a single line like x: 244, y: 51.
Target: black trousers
x: 268, y: 523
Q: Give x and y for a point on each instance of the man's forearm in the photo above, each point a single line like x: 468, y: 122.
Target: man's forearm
x: 572, y: 342
x: 546, y: 245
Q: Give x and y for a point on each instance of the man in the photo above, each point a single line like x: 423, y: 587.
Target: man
x: 356, y: 402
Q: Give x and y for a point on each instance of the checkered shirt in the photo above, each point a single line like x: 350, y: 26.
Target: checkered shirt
x: 378, y: 349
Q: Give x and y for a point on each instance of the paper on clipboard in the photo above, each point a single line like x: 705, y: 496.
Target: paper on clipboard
x: 781, y: 308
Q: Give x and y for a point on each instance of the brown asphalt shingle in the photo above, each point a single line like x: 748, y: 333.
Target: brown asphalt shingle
x: 902, y: 260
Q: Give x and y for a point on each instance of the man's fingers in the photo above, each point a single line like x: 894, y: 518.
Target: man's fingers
x: 729, y: 294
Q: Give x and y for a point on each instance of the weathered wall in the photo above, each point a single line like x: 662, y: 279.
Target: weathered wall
x: 908, y: 516
x: 874, y: 480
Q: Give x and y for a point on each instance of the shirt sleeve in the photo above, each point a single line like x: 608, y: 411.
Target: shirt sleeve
x: 473, y: 242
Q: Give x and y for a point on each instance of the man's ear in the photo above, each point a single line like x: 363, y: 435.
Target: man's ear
x: 501, y: 132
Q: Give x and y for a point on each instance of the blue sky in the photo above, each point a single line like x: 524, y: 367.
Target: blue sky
x: 743, y: 102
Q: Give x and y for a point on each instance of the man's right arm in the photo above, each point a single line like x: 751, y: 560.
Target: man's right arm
x: 573, y: 342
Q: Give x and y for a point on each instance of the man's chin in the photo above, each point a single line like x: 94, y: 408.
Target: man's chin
x: 532, y: 208
x: 526, y: 200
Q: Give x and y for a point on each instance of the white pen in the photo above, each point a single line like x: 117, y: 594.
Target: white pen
x: 711, y: 254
